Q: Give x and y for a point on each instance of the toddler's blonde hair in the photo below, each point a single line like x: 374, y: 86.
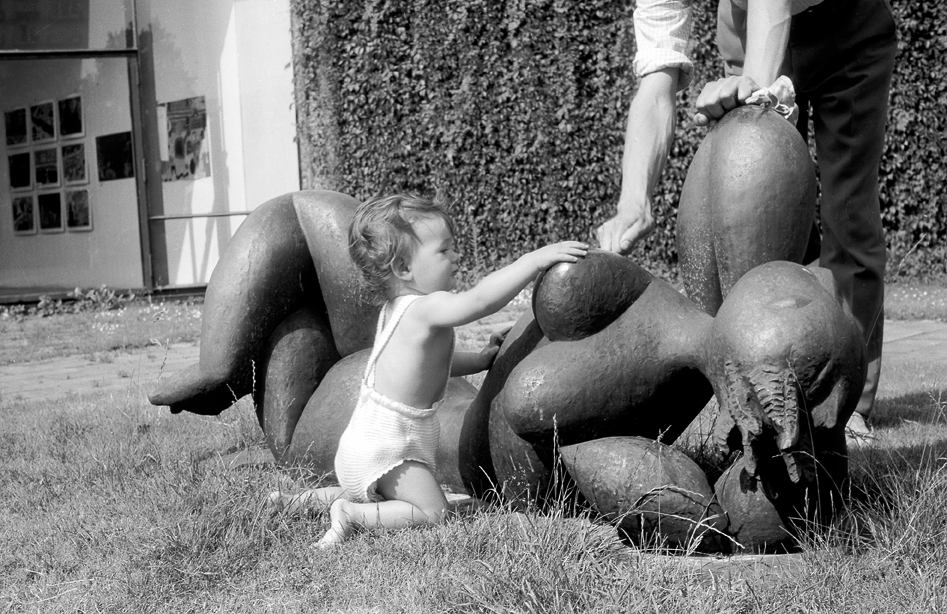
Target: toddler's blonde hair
x: 382, y: 232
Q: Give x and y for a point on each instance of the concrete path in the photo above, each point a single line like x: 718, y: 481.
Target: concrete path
x: 133, y: 373
x: 136, y: 373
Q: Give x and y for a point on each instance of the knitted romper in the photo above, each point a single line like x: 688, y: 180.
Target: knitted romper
x: 383, y: 433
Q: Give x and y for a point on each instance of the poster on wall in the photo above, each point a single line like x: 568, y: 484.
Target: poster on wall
x: 114, y: 155
x: 24, y: 221
x: 188, y: 153
x: 43, y: 122
x: 78, y: 213
x: 50, y: 212
x: 20, y: 176
x: 70, y: 117
x: 15, y: 123
x: 73, y: 164
x: 46, y: 167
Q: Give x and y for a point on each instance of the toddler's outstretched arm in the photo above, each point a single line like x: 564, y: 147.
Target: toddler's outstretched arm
x: 495, y: 290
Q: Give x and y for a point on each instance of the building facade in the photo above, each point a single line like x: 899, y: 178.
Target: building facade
x: 137, y: 135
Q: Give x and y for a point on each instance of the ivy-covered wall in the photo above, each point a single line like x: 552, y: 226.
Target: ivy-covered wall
x: 515, y: 110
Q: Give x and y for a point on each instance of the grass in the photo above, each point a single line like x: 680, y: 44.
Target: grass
x: 110, y: 504
x: 97, y: 332
x: 111, y: 507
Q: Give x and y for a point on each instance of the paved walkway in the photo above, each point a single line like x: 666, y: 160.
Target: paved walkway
x: 135, y: 373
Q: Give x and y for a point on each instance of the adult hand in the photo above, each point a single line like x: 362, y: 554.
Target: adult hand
x: 620, y: 233
x: 721, y: 96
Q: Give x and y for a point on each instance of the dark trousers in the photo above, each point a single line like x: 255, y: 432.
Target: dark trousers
x: 841, y: 57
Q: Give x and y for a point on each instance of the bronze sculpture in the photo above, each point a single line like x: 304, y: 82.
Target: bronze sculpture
x: 613, y: 354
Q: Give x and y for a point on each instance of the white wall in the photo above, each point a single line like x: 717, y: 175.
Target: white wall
x: 237, y: 54
x: 109, y: 253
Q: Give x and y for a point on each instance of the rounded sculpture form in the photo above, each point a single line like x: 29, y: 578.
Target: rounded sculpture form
x: 754, y: 522
x: 748, y: 199
x: 655, y: 493
x: 290, y: 253
x: 619, y: 380
x: 299, y: 354
x: 787, y: 364
x: 575, y: 300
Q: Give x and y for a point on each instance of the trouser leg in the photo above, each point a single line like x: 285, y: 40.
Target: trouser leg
x: 843, y: 55
x: 731, y: 37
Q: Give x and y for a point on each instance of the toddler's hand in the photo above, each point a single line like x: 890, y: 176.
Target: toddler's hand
x: 499, y: 336
x: 566, y: 251
x: 489, y: 353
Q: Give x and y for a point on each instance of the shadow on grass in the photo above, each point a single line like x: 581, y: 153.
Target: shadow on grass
x: 927, y: 407
x: 881, y: 475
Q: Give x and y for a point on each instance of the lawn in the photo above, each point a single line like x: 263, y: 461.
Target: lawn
x: 110, y: 504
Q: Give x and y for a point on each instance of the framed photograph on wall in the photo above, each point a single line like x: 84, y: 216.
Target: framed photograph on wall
x: 20, y: 176
x: 73, y: 164
x: 15, y: 123
x: 43, y: 122
x: 46, y: 167
x: 24, y: 217
x: 78, y: 212
x: 50, y: 212
x: 70, y: 117
x: 114, y: 155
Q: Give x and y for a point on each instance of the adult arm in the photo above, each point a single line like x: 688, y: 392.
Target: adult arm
x: 767, y: 35
x: 662, y: 32
x: 649, y: 132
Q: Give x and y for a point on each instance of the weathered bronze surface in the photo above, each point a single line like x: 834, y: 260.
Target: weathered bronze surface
x: 784, y: 359
x: 290, y: 253
x: 749, y: 198
x: 637, y: 376
x: 754, y: 522
x: 655, y: 493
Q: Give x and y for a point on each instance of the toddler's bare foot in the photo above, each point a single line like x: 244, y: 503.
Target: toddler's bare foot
x: 341, y: 525
x: 276, y: 501
x: 857, y: 432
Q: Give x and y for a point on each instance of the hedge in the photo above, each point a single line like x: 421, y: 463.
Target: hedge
x: 515, y: 111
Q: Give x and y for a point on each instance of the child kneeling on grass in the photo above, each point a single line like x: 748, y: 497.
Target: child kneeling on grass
x: 404, y: 246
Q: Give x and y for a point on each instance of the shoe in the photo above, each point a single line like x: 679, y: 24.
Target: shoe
x: 858, y: 432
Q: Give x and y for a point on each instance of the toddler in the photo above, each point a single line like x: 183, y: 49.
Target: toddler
x: 404, y: 247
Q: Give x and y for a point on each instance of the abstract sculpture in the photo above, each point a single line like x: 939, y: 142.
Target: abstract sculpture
x: 784, y: 360
x: 611, y: 369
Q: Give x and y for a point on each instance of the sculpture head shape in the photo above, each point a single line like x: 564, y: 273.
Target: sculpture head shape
x: 786, y: 362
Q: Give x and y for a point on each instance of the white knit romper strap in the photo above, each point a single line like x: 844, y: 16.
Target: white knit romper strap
x: 383, y: 433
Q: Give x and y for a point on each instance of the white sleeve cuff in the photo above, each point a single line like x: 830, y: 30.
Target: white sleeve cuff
x: 649, y: 62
